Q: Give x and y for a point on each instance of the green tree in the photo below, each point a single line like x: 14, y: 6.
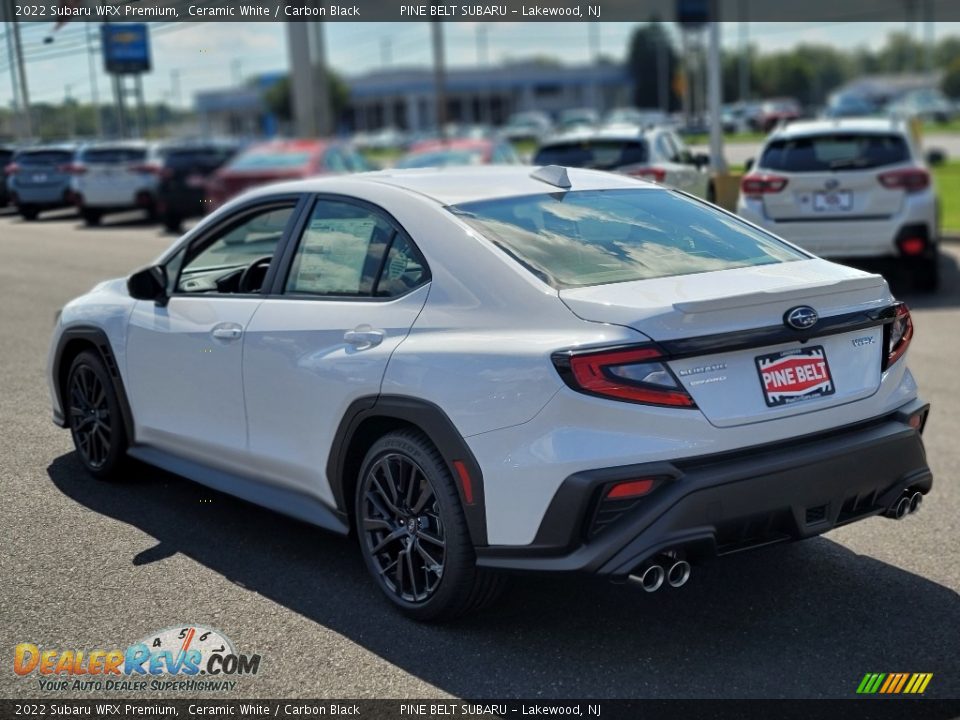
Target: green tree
x: 277, y: 97
x: 649, y: 45
x: 951, y: 79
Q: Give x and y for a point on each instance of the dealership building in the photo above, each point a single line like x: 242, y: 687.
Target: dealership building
x: 405, y: 97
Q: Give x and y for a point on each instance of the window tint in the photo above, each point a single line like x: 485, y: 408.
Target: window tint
x: 43, y: 157
x: 255, y: 236
x: 403, y: 270
x: 596, y: 154
x: 340, y: 251
x: 840, y: 151
x: 113, y: 156
x: 604, y: 236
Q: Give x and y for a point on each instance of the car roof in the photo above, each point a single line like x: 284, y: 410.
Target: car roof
x: 463, y: 184
x: 819, y: 127
x: 624, y: 133
x: 435, y: 145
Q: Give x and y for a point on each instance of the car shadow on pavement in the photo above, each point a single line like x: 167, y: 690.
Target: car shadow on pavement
x: 901, y: 285
x: 806, y: 619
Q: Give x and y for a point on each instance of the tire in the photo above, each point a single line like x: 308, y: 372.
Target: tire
x: 29, y: 212
x: 91, y: 217
x: 711, y: 194
x: 435, y: 536
x: 926, y: 274
x: 94, y: 417
x: 172, y: 223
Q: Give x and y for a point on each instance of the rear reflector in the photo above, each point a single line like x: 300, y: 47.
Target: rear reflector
x: 466, y: 484
x: 912, y: 245
x: 631, y: 488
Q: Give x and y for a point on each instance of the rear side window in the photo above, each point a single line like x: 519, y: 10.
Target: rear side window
x: 839, y: 151
x: 595, y: 154
x: 113, y: 156
x: 594, y: 237
x: 44, y: 157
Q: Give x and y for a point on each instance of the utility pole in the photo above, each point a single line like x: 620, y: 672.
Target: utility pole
x: 663, y: 71
x: 715, y: 98
x: 744, y: 90
x: 928, y: 32
x: 301, y: 84
x: 94, y: 89
x: 322, y: 82
x: 439, y: 77
x: 68, y: 110
x: 14, y: 78
x: 24, y: 90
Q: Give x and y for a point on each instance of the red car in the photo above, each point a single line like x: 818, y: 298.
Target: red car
x: 772, y: 112
x: 277, y: 160
x: 459, y: 151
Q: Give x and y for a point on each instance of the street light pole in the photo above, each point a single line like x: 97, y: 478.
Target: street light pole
x: 439, y: 77
x: 24, y: 90
x: 715, y: 99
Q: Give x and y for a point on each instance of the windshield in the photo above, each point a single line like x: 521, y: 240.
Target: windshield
x: 441, y: 158
x: 595, y: 154
x: 594, y: 237
x: 271, y: 160
x: 838, y: 151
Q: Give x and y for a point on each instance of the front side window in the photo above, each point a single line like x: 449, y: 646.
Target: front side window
x: 352, y: 251
x: 217, y: 263
x: 594, y: 237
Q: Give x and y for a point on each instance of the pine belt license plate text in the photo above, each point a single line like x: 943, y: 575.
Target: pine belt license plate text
x: 791, y: 376
x: 833, y: 201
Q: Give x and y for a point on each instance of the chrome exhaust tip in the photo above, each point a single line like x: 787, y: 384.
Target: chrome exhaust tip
x: 678, y: 574
x: 651, y: 579
x: 902, y: 508
x: 916, y: 500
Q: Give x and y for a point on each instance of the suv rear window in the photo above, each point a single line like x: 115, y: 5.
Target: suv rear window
x: 43, y: 157
x: 595, y: 237
x: 837, y: 151
x: 113, y: 156
x: 595, y: 154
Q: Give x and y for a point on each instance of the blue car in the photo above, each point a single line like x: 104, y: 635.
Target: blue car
x: 38, y: 179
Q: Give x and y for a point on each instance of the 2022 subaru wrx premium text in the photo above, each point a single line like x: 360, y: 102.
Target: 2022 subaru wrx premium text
x: 491, y: 369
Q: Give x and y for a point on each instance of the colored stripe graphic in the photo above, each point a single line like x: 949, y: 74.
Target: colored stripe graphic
x: 894, y: 683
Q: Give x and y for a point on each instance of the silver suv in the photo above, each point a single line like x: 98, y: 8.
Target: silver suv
x: 851, y: 188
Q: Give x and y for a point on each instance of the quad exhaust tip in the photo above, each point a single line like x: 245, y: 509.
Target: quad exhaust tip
x: 651, y: 579
x: 907, y: 504
x: 678, y: 574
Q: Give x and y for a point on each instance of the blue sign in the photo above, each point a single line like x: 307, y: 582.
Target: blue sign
x: 126, y: 48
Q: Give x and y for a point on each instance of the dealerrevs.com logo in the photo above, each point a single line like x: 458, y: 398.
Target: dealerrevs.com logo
x: 189, y: 658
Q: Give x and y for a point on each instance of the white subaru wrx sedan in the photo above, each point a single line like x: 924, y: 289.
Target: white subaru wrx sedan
x: 499, y: 369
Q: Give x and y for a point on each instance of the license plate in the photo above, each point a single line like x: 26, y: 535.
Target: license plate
x: 834, y: 201
x: 38, y: 177
x: 792, y: 376
x: 196, y: 181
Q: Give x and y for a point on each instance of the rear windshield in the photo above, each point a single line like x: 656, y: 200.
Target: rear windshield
x: 113, y: 156
x: 596, y: 154
x: 594, y: 237
x: 270, y: 160
x: 183, y: 157
x: 44, y: 157
x: 840, y: 151
x: 441, y: 158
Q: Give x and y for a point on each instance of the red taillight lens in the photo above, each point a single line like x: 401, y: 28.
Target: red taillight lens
x: 910, y: 180
x: 648, y: 173
x: 636, y: 374
x: 630, y: 489
x: 759, y: 185
x: 148, y: 169
x: 912, y: 245
x: 11, y: 169
x: 72, y: 169
x: 900, y: 334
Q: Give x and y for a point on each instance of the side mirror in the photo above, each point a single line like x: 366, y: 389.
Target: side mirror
x: 701, y: 160
x: 748, y: 164
x: 149, y: 284
x: 936, y: 156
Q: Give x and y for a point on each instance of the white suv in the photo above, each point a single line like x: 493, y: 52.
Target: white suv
x: 115, y: 177
x: 850, y: 188
x: 478, y: 370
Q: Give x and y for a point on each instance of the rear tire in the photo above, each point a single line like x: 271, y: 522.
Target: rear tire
x: 29, y: 212
x: 926, y: 274
x: 172, y: 223
x: 94, y: 417
x: 413, y: 534
x: 91, y: 217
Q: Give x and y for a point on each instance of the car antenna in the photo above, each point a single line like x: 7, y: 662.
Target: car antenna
x: 552, y: 175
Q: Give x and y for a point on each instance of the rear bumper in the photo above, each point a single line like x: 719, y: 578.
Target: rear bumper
x: 716, y: 505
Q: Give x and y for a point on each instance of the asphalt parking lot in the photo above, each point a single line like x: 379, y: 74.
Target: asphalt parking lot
x: 92, y: 565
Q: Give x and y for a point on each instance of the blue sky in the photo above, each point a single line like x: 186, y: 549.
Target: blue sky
x: 210, y: 55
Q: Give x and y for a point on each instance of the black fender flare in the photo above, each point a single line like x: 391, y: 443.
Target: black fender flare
x: 96, y: 337
x: 434, y: 422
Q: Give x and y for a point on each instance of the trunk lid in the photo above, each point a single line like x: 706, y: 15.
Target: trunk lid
x: 729, y: 385
x: 833, y: 196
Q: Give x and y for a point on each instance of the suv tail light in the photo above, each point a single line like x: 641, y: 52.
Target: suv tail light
x: 758, y: 185
x: 910, y: 180
x: 648, y: 173
x: 636, y: 374
x: 72, y: 169
x: 11, y: 169
x: 899, y: 334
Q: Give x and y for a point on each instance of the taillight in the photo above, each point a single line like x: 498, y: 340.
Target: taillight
x: 910, y: 180
x: 758, y: 185
x: 899, y: 335
x: 648, y: 173
x: 72, y: 169
x: 11, y: 169
x: 149, y: 169
x: 635, y: 374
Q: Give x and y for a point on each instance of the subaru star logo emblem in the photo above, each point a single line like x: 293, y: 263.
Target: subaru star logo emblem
x: 803, y: 317
x: 831, y: 184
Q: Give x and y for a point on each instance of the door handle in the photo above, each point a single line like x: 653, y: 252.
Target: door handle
x: 363, y: 337
x: 227, y: 331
